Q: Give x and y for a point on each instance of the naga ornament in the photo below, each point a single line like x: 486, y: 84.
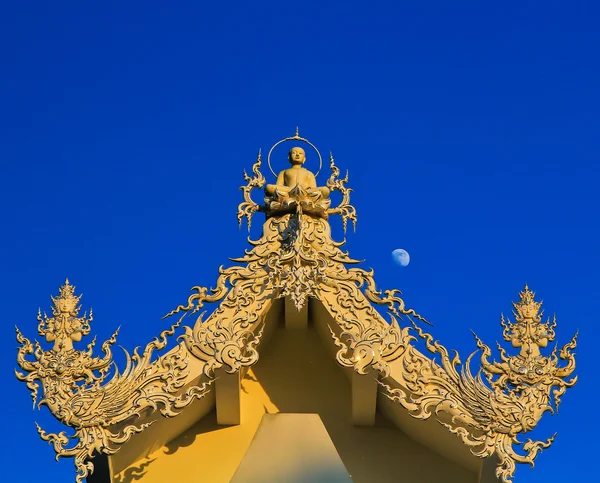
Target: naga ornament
x: 519, y: 390
x: 78, y: 391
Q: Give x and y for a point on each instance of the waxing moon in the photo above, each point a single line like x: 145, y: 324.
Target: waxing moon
x: 401, y: 257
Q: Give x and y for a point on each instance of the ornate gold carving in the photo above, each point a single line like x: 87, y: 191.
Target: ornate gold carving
x: 247, y: 207
x: 76, y: 390
x: 228, y: 341
x: 489, y: 419
x: 296, y: 258
x: 295, y: 190
x: 335, y: 183
x: 366, y: 341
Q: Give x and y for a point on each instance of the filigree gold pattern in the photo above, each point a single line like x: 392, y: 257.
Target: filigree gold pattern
x: 76, y: 390
x: 335, y: 183
x: 247, y: 207
x: 297, y: 259
x: 489, y: 419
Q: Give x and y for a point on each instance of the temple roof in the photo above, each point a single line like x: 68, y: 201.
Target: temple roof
x: 372, y: 334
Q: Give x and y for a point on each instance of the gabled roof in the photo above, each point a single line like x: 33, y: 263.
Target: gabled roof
x: 297, y: 260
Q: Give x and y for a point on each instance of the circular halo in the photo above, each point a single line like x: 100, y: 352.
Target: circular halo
x: 296, y: 137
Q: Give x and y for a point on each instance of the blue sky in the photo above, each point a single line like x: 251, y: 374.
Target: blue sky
x: 470, y: 133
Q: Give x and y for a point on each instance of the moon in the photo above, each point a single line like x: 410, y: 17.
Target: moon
x: 401, y: 257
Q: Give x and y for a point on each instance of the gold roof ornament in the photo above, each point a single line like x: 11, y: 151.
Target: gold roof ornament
x: 489, y: 419
x: 296, y: 259
x: 295, y: 188
x: 78, y: 391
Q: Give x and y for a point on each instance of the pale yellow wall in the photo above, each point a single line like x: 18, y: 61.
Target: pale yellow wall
x: 295, y: 375
x: 299, y: 448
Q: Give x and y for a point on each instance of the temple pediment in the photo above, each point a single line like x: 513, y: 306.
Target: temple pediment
x: 291, y: 316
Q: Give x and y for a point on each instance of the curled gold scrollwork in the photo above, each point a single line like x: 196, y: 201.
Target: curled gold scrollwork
x: 77, y: 389
x: 227, y: 341
x: 488, y: 419
x: 366, y: 339
x: 248, y: 207
x: 297, y: 259
x: 335, y: 183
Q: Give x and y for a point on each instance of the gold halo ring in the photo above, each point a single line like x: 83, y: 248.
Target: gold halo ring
x: 296, y: 137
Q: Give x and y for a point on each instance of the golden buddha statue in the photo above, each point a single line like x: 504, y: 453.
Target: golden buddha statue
x: 297, y: 176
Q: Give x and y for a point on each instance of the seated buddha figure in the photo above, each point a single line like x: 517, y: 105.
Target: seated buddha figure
x: 297, y: 186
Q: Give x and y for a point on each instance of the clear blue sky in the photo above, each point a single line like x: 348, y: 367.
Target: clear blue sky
x: 470, y: 133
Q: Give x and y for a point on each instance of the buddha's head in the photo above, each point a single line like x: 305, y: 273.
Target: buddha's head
x: 297, y: 156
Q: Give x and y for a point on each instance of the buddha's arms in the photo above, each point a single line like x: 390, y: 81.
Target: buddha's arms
x: 270, y: 188
x: 280, y: 179
x: 311, y: 181
x: 311, y: 184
